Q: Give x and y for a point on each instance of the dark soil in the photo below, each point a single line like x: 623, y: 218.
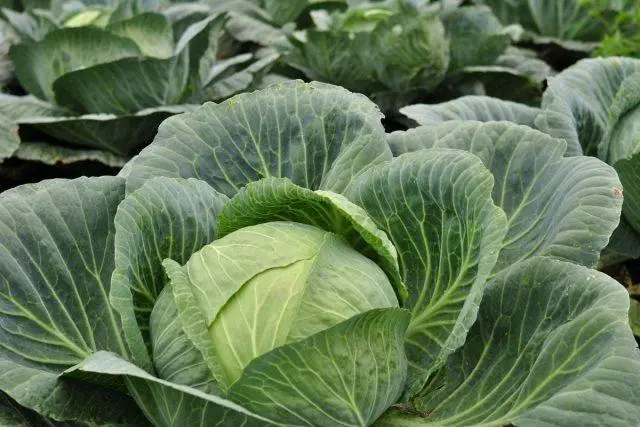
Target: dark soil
x: 14, y: 172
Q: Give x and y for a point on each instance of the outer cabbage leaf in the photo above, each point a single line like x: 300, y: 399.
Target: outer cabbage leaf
x: 477, y: 108
x: 9, y: 139
x: 284, y: 12
x: 596, y: 103
x: 151, y: 32
x: 125, y: 86
x: 551, y: 346
x: 165, y: 218
x: 55, y: 264
x: 121, y: 135
x: 476, y: 37
x: 301, y: 131
x: 560, y: 19
x: 565, y: 208
x: 39, y: 64
x: 55, y: 154
x: 66, y: 400
x: 246, y: 28
x: 346, y: 375
x: 175, y: 357
x: 436, y: 207
x: 164, y: 403
x: 578, y: 102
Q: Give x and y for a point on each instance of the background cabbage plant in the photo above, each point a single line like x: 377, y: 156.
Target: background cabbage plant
x: 396, y: 51
x: 279, y: 259
x: 104, y: 78
x: 571, y: 24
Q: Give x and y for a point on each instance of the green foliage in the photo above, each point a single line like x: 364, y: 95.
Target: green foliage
x: 110, y: 74
x: 278, y: 259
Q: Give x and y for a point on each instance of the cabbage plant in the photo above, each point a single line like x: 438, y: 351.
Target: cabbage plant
x: 595, y: 106
x: 277, y: 259
x: 570, y: 24
x: 396, y: 51
x: 108, y: 85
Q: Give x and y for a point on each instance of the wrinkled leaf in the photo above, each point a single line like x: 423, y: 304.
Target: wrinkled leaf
x: 38, y: 65
x: 121, y: 135
x: 295, y: 130
x: 55, y: 154
x: 551, y: 346
x: 478, y: 108
x: 436, y: 207
x: 165, y: 404
x: 151, y: 32
x: 357, y: 368
x: 565, y: 208
x: 166, y: 218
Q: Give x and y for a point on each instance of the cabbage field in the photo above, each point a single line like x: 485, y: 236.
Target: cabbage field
x: 396, y: 213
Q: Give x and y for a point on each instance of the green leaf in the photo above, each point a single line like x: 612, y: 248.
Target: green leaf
x: 233, y: 81
x: 55, y: 155
x: 64, y: 399
x: 621, y: 140
x: 121, y: 135
x: 476, y: 37
x: 39, y: 64
x: 295, y: 130
x: 125, y: 86
x: 525, y: 62
x: 9, y: 139
x: 597, y: 102
x: 192, y: 324
x: 165, y: 403
x: 551, y: 346
x: 578, y: 102
x: 284, y: 12
x: 133, y: 84
x: 28, y: 106
x: 246, y: 28
x: 565, y: 208
x: 347, y: 375
x: 479, y: 108
x: 166, y: 218
x: 56, y: 260
x: 562, y: 19
x: 151, y: 32
x: 436, y: 207
x: 278, y: 199
x: 55, y: 265
x: 175, y: 358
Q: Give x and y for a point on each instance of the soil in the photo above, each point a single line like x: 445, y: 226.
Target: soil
x: 14, y: 172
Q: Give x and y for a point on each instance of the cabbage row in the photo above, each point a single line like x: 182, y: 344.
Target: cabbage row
x: 333, y: 252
